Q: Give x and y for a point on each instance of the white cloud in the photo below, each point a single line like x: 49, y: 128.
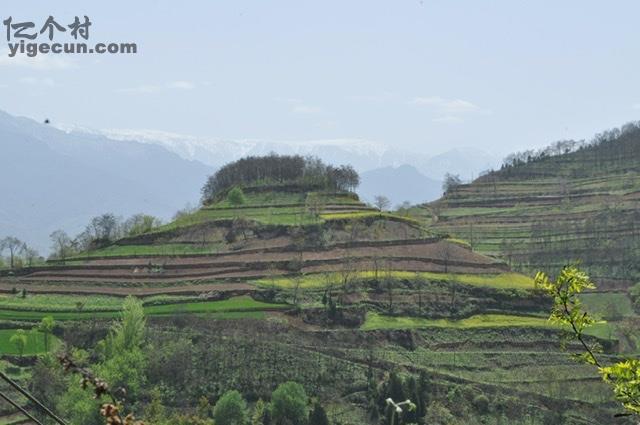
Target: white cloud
x: 449, y: 111
x: 453, y: 106
x: 183, y: 85
x: 155, y: 88
x: 33, y: 81
x: 46, y: 62
x: 636, y: 106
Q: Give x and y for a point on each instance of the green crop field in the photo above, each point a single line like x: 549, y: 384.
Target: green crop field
x: 321, y: 280
x: 602, y: 330
x: 59, y: 302
x: 378, y: 321
x: 608, y: 305
x: 237, y: 305
x: 274, y: 208
x: 35, y: 343
x: 79, y: 303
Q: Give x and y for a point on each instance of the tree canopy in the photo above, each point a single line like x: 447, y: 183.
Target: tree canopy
x: 289, y: 404
x: 231, y: 409
x: 276, y: 169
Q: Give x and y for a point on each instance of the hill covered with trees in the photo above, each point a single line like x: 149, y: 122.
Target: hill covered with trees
x: 301, y: 173
x: 573, y: 201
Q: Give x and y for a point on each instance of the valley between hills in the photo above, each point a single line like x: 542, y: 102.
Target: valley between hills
x: 284, y: 274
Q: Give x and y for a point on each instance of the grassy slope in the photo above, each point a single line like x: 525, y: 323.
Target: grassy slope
x: 499, y: 281
x: 267, y: 208
x: 377, y: 321
x: 545, y: 213
x: 35, y: 343
x: 374, y: 321
x: 276, y: 209
x: 236, y: 307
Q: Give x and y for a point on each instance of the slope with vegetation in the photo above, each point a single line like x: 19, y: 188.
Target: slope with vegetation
x: 541, y: 210
x: 284, y: 275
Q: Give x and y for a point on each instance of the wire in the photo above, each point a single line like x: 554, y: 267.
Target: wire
x: 32, y: 398
x: 20, y: 408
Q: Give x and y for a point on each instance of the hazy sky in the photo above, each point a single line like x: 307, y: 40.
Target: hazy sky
x: 424, y: 75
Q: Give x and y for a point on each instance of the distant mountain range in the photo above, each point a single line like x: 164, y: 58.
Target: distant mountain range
x: 58, y: 178
x: 51, y: 179
x: 399, y: 184
x: 362, y: 154
x: 398, y: 174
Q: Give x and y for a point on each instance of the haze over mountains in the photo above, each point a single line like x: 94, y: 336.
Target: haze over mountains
x: 399, y: 174
x: 364, y: 155
x: 59, y: 178
x: 52, y: 179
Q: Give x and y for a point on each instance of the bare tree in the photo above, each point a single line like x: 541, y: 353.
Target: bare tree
x: 140, y: 223
x: 104, y: 227
x: 446, y: 252
x: 297, y: 281
x: 62, y: 245
x: 451, y: 181
x: 329, y: 282
x: 471, y: 236
x: 14, y: 246
x: 29, y: 254
x: 419, y: 284
x: 389, y: 281
x: 187, y: 210
x: 347, y: 272
x: 381, y: 202
x: 404, y: 208
x: 314, y: 205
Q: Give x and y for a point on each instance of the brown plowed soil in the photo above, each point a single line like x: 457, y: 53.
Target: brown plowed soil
x: 414, y: 255
x: 428, y: 250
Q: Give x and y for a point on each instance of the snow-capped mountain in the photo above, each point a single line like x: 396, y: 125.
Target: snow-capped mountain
x: 214, y: 152
x: 52, y: 179
x: 364, y: 155
x: 60, y: 177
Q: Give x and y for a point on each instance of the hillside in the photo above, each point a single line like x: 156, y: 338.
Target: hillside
x: 292, y: 281
x: 541, y: 212
x: 273, y: 233
x: 53, y: 179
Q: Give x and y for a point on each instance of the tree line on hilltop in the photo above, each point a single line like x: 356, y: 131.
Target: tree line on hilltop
x: 276, y: 169
x: 615, y: 145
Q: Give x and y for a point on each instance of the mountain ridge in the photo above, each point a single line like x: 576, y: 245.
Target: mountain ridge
x: 55, y: 180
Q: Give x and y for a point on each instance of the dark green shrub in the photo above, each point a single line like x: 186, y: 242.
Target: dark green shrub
x: 481, y: 403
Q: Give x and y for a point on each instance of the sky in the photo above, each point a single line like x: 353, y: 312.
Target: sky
x: 420, y: 75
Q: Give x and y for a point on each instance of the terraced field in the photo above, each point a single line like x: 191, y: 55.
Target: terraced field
x: 333, y: 296
x: 226, y: 245
x: 581, y: 206
x: 35, y: 343
x: 109, y: 307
